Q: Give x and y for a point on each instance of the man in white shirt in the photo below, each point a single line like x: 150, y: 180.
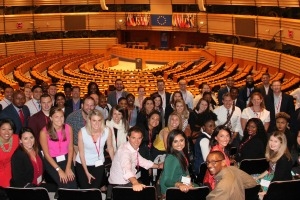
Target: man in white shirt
x: 34, y: 104
x: 104, y: 107
x: 8, y: 96
x: 265, y: 88
x: 226, y: 111
x: 161, y: 91
x: 125, y: 165
x: 187, y: 95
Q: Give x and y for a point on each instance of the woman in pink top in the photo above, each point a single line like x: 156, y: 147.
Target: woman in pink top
x: 218, y: 142
x: 56, y: 140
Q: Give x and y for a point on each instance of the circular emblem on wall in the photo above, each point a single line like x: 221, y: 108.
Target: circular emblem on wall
x: 161, y: 20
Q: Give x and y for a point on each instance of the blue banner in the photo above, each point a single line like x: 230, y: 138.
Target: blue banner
x: 161, y: 20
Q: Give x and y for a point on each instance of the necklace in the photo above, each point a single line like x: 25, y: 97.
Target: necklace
x: 9, y: 145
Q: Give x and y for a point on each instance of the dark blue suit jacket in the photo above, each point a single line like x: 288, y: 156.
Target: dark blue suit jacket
x: 287, y: 106
x: 11, y: 113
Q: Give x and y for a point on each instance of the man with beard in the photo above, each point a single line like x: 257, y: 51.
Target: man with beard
x: 248, y: 89
x: 39, y: 120
x: 114, y: 96
x: 17, y: 111
x: 77, y: 119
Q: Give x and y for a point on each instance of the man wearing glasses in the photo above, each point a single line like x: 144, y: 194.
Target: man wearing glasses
x: 231, y: 182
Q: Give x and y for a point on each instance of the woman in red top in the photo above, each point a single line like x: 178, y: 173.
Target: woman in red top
x: 26, y: 163
x: 218, y: 142
x: 8, y: 144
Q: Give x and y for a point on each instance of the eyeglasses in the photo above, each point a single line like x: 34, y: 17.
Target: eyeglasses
x: 214, y: 162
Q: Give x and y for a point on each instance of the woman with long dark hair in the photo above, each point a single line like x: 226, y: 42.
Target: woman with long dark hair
x: 219, y: 142
x: 26, y: 162
x: 254, y: 141
x: 176, y: 163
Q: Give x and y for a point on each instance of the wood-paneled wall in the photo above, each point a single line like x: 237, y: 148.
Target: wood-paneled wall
x: 58, y: 45
x: 257, y: 57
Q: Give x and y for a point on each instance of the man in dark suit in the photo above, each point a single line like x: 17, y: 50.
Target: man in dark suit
x: 114, y: 96
x: 277, y: 102
x: 161, y: 91
x: 246, y: 91
x: 234, y: 92
x: 75, y: 102
x: 265, y: 88
x: 226, y: 89
x: 17, y: 111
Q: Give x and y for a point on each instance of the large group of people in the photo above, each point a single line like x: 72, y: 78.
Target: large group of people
x: 58, y: 138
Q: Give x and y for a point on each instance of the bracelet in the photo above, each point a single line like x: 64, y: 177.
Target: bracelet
x: 57, y: 169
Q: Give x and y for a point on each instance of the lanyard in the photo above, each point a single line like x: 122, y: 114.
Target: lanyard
x: 137, y: 160
x: 35, y: 105
x: 98, y: 149
x: 150, y: 139
x: 277, y: 106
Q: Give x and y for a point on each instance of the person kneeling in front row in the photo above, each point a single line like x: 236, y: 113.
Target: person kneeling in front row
x: 125, y: 166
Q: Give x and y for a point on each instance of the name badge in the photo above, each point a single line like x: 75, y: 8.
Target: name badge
x: 265, y: 183
x: 186, y: 180
x: 39, y: 180
x: 138, y: 175
x: 98, y: 163
x: 60, y: 158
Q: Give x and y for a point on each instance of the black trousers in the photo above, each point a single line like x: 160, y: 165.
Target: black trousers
x: 54, y: 174
x: 96, y: 172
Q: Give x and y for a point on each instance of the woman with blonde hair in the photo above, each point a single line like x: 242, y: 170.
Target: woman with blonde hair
x: 280, y: 160
x: 256, y: 109
x: 90, y: 159
x: 160, y: 142
x: 182, y: 110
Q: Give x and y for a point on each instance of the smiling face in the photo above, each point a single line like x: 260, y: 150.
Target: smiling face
x: 274, y: 143
x: 178, y: 143
x: 149, y: 106
x: 256, y: 100
x: 179, y: 107
x: 117, y: 116
x: 6, y: 132
x: 251, y: 128
x: 174, y: 122
x: 58, y: 119
x: 202, y: 106
x: 8, y: 93
x: 60, y: 101
x: 223, y: 138
x: 214, y: 164
x: 157, y: 102
x: 135, y: 139
x: 153, y: 121
x: 27, y: 140
x: 96, y: 122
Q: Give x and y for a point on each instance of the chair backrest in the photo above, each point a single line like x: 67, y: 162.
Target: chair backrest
x: 252, y: 193
x: 254, y: 166
x: 35, y: 193
x: 148, y: 193
x: 197, y: 193
x: 79, y: 194
x: 200, y: 176
x: 283, y: 190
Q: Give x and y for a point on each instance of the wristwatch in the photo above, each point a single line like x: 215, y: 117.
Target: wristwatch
x: 57, y: 168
